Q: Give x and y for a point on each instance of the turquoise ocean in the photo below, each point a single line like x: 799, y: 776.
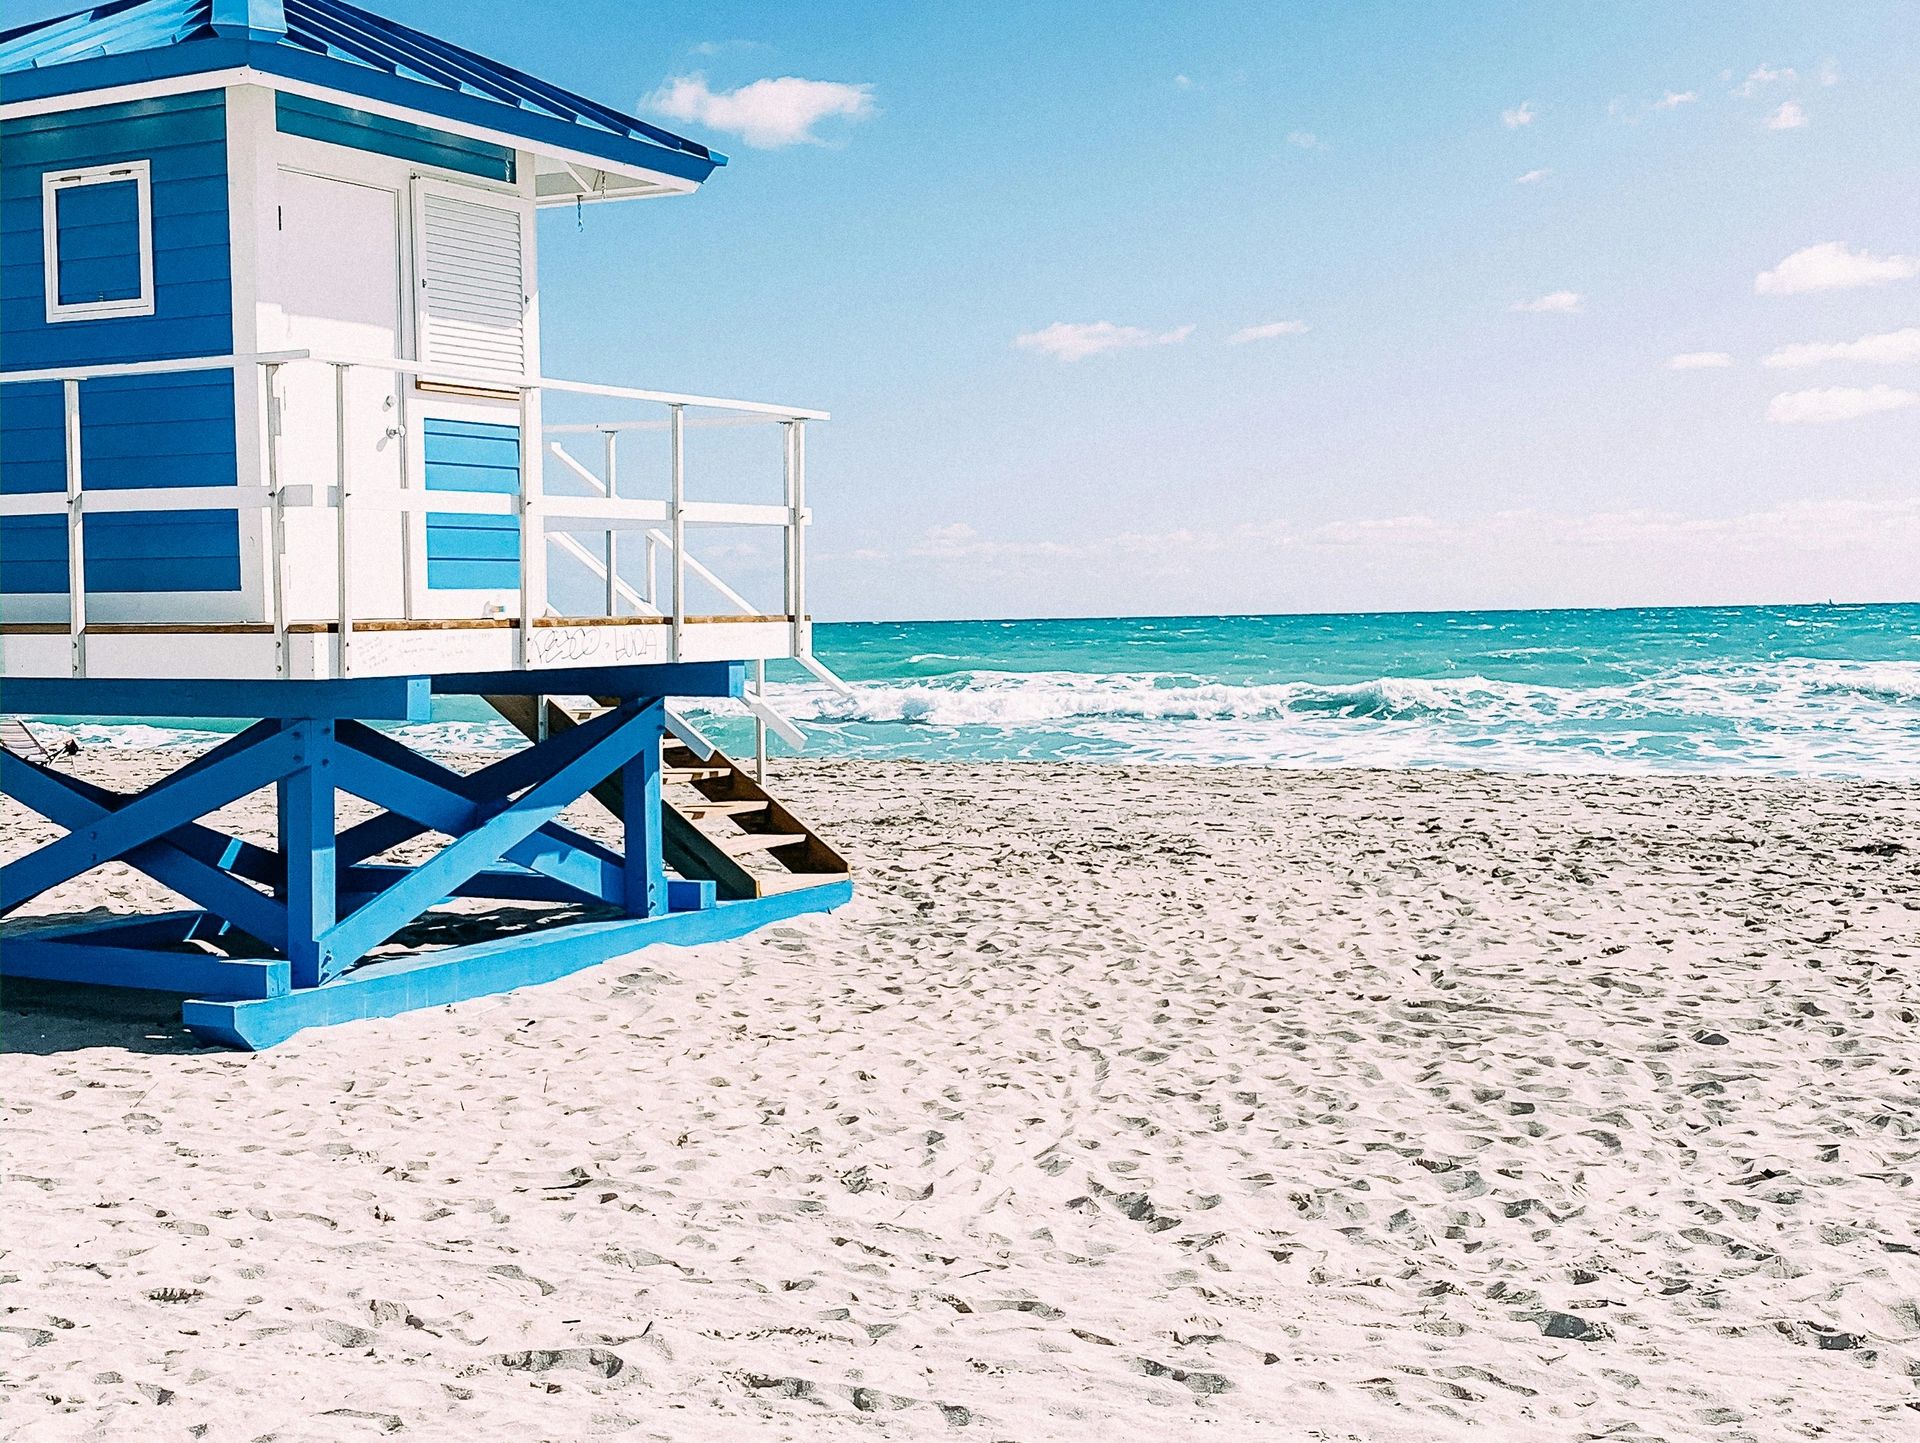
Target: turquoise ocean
x: 1825, y: 691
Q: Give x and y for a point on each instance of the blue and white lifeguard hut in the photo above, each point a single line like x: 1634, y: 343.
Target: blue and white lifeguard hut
x: 275, y: 445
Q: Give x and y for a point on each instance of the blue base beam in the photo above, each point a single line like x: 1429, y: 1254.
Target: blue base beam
x: 435, y: 979
x: 109, y: 965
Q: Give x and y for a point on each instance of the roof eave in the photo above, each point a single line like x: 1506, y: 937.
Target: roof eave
x: 242, y: 51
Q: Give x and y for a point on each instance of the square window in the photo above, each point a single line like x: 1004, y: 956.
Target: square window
x: 98, y: 226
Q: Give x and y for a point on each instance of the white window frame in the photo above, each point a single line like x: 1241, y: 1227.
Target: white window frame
x: 140, y: 172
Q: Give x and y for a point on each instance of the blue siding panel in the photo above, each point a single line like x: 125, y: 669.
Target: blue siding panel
x: 184, y: 138
x: 136, y: 431
x: 472, y: 552
x: 99, y: 246
x: 132, y: 551
x: 361, y: 130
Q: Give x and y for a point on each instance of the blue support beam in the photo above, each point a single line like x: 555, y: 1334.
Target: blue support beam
x: 62, y: 799
x: 240, y: 765
x: 581, y: 758
x: 377, y: 698
x: 306, y: 808
x: 330, y: 904
x: 439, y: 799
x: 434, y: 979
x: 644, y: 893
x: 197, y: 974
x: 685, y: 678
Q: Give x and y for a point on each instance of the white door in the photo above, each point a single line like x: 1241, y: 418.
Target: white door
x: 337, y: 279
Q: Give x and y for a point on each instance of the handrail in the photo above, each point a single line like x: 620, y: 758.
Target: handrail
x: 422, y: 371
x: 153, y: 368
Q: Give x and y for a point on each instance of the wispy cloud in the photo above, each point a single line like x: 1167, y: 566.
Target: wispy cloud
x: 1838, y: 403
x: 1674, y: 99
x: 1266, y: 332
x: 1699, y: 361
x: 1838, y: 525
x: 1830, y: 266
x: 1075, y: 341
x: 1304, y: 139
x: 1521, y: 114
x: 724, y: 47
x: 766, y: 114
x: 1890, y: 348
x: 1183, y: 82
x: 1532, y: 177
x: 1761, y: 77
x: 1554, y: 302
x: 1790, y: 116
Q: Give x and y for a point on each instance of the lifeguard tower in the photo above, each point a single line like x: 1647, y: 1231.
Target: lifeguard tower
x: 276, y: 446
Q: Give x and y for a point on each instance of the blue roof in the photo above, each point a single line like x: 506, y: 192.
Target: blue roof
x: 333, y: 44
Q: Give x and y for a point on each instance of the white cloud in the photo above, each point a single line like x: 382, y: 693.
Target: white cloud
x: 1839, y: 524
x: 1790, y: 116
x: 1890, y: 348
x: 1674, y: 99
x: 1830, y: 266
x: 1305, y: 139
x: 1763, y: 76
x: 1521, y: 114
x: 1829, y: 73
x: 1555, y: 302
x: 1838, y: 403
x: 1266, y: 332
x: 1075, y: 341
x: 766, y: 114
x: 1183, y: 82
x: 1699, y: 361
x: 724, y: 47
x: 1532, y: 177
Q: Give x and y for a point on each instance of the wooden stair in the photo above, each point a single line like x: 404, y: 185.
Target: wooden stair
x: 717, y: 823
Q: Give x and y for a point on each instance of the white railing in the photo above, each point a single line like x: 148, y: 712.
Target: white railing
x: 792, y: 516
x: 662, y: 523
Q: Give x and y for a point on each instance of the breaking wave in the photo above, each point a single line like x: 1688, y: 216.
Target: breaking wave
x: 1543, y: 692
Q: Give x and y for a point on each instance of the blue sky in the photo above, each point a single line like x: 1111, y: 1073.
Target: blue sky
x: 1172, y: 176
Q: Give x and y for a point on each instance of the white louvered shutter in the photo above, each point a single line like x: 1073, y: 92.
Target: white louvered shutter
x: 473, y: 302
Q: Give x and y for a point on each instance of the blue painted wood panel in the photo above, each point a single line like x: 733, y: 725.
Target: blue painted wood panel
x: 131, y: 551
x: 136, y: 431
x: 472, y: 552
x: 362, y: 130
x: 184, y: 138
x: 99, y: 242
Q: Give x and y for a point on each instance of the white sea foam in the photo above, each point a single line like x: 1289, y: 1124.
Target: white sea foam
x: 1800, y: 716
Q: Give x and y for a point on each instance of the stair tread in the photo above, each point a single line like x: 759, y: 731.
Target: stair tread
x: 694, y: 774
x: 741, y: 842
x: 699, y: 810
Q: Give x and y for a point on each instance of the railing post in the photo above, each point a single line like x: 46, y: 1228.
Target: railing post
x: 677, y: 429
x: 533, y: 528
x: 343, y: 481
x: 76, y: 533
x: 276, y: 537
x: 802, y: 627
x: 611, y: 437
x: 760, y: 721
x: 787, y: 553
x: 653, y: 571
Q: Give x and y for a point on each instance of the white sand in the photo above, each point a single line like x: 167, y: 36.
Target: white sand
x: 1122, y: 1104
